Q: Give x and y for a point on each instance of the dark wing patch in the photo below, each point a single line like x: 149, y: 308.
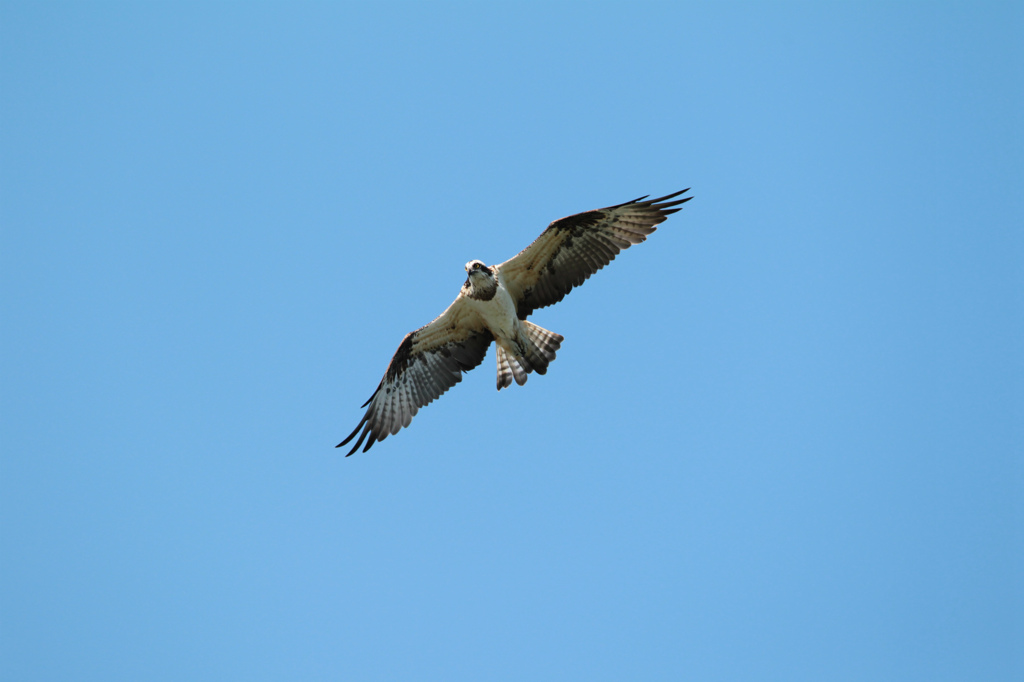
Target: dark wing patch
x: 570, y: 250
x: 427, y: 363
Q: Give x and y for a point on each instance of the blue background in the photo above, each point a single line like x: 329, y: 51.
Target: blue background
x: 782, y: 439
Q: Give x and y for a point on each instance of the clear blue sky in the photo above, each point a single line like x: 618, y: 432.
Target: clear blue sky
x: 782, y: 439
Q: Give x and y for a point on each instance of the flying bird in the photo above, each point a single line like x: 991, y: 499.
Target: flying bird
x: 493, y: 305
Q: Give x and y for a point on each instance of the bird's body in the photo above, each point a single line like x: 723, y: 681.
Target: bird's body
x: 493, y: 305
x: 487, y: 294
x: 488, y: 297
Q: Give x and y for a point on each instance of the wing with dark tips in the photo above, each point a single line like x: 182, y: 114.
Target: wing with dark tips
x: 428, y: 362
x: 572, y: 249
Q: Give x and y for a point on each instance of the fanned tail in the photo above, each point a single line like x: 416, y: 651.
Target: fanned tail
x: 541, y: 346
x: 509, y: 369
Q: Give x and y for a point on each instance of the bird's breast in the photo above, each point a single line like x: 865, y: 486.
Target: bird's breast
x: 498, y: 313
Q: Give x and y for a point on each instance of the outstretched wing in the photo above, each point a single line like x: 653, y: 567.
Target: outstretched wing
x: 428, y: 362
x: 572, y: 249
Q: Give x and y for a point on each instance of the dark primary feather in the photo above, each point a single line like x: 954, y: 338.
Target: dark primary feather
x: 571, y: 249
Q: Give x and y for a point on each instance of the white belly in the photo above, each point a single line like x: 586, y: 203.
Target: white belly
x: 499, y: 314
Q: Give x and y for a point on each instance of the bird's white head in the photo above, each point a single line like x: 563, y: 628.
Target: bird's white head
x: 475, y: 266
x: 480, y: 283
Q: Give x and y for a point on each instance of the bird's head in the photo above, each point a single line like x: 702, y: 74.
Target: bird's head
x: 480, y: 283
x: 477, y: 267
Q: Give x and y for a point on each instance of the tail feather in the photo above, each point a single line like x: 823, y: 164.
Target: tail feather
x: 541, y: 346
x: 509, y: 369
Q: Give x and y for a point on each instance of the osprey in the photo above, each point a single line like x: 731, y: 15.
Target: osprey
x: 493, y: 306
